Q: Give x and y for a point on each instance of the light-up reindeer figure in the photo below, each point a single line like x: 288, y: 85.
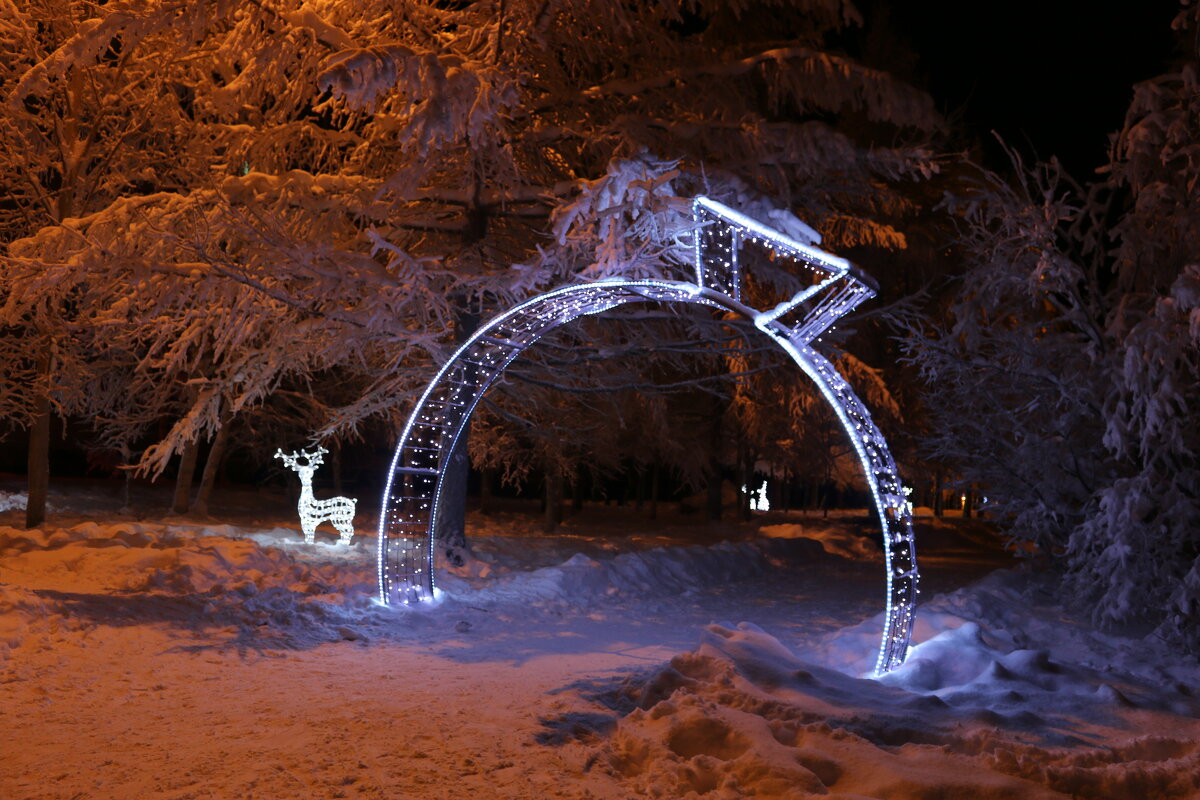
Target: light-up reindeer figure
x: 338, y: 511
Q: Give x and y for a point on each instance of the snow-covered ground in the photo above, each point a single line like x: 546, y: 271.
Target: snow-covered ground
x: 618, y: 659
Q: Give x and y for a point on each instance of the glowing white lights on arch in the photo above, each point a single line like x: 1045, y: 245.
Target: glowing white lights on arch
x: 337, y: 511
x: 411, y: 501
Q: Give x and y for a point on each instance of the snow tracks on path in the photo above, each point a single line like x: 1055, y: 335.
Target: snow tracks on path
x: 580, y: 580
x: 266, y: 588
x: 194, y: 578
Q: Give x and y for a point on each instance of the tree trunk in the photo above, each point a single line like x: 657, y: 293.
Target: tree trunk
x: 577, y: 495
x: 183, y: 480
x: 968, y: 503
x: 554, y: 500
x: 654, y: 491
x: 127, y: 471
x: 451, y: 531
x: 486, y: 498
x: 712, y: 496
x: 713, y: 499
x: 208, y: 478
x: 39, y: 457
x: 939, y: 507
x: 746, y: 463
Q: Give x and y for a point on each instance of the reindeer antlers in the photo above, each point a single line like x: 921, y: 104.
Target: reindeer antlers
x: 313, y: 459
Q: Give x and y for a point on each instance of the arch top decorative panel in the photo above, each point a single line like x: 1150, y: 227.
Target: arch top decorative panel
x: 831, y: 288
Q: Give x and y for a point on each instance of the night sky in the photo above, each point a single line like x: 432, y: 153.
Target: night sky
x: 1052, y: 77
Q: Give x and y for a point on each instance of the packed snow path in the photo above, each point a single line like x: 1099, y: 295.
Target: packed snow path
x: 178, y: 661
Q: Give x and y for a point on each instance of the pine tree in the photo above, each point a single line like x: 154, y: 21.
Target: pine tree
x: 1141, y: 539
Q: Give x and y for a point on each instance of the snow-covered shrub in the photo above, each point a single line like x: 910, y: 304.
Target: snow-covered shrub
x: 1018, y: 349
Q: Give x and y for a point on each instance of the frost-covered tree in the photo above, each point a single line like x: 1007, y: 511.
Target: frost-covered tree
x: 327, y: 194
x: 1017, y: 349
x: 567, y: 137
x: 615, y: 115
x: 1074, y: 342
x: 1141, y: 540
x: 137, y: 218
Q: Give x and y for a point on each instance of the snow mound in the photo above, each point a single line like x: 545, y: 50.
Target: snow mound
x: 581, y: 579
x: 1007, y: 612
x: 26, y: 622
x: 262, y: 588
x: 742, y: 716
x: 16, y: 501
x: 13, y: 501
x: 265, y: 588
x: 835, y: 540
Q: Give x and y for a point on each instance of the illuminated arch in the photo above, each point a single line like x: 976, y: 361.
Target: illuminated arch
x: 833, y: 287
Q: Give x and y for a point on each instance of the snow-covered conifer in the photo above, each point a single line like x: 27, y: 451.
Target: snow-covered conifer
x: 1066, y: 377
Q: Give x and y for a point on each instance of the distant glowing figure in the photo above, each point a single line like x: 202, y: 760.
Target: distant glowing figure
x: 338, y: 511
x: 760, y: 503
